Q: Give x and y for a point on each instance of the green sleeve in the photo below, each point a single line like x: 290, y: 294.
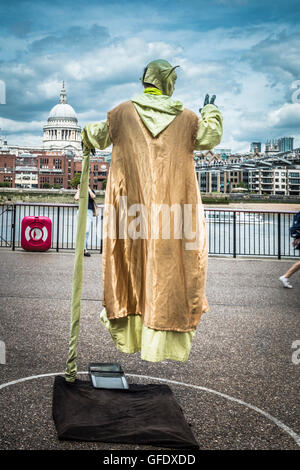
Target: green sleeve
x: 210, y: 128
x: 96, y: 135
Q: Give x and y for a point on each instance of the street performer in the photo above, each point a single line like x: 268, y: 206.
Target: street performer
x: 154, y: 279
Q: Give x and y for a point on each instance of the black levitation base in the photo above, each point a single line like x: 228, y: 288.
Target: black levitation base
x: 107, y: 375
x: 141, y: 414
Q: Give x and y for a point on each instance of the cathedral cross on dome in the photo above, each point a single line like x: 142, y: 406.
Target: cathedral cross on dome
x: 63, y: 94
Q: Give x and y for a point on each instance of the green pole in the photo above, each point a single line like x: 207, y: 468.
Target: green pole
x: 71, y: 366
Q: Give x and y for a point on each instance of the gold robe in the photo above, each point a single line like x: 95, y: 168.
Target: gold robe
x: 160, y: 279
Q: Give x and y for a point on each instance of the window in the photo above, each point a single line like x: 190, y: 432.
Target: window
x: 57, y: 163
x: 44, y: 163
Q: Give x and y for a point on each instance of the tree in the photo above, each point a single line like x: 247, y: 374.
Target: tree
x: 104, y: 184
x: 241, y: 184
x: 76, y: 180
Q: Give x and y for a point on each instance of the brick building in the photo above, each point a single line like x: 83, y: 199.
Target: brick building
x: 7, y: 170
x: 48, y: 169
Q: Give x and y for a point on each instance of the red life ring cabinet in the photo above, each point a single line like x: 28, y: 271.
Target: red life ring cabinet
x: 36, y: 233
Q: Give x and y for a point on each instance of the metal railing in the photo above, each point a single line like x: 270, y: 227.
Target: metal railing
x: 238, y: 232
x: 64, y: 224
x: 231, y: 232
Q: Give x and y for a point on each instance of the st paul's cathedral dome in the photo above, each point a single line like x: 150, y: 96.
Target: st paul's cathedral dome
x: 62, y: 131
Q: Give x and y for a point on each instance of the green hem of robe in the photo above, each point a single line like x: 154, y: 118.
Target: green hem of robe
x: 130, y: 335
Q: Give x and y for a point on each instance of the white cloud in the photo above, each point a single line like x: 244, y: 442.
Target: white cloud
x: 120, y: 59
x: 287, y: 116
x: 10, y: 125
x: 49, y: 88
x: 26, y: 140
x: 234, y: 63
x: 278, y: 55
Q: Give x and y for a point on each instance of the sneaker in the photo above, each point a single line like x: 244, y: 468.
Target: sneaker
x: 86, y: 253
x: 285, y: 282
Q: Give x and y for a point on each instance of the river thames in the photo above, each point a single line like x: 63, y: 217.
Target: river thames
x: 233, y: 229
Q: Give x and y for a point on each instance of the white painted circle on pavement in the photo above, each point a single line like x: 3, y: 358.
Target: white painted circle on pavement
x: 267, y: 415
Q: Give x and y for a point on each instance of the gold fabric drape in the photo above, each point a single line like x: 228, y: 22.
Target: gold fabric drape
x: 163, y: 280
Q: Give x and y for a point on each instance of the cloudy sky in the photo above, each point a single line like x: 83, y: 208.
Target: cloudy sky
x: 247, y: 52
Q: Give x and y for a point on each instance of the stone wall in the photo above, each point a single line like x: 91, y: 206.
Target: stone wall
x: 67, y: 196
x: 63, y: 196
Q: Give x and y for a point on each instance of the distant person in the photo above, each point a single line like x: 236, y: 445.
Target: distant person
x: 295, y: 233
x: 90, y: 213
x: 285, y: 278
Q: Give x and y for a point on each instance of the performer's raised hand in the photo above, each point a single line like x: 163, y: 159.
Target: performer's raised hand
x: 207, y: 101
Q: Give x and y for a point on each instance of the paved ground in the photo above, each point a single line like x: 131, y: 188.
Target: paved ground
x: 243, y: 349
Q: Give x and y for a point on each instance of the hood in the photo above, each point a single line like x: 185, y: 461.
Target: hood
x: 156, y: 111
x: 162, y: 75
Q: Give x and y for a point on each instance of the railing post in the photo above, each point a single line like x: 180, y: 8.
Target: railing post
x: 101, y: 246
x: 57, y: 234
x: 234, y: 234
x: 278, y: 235
x: 101, y: 231
x: 13, y: 227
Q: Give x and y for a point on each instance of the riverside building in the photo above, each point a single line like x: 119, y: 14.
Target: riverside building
x: 57, y: 160
x: 276, y: 175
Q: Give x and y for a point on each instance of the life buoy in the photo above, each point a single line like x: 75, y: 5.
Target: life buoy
x: 36, y: 233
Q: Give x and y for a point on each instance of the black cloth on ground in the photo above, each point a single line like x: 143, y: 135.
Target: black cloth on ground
x: 142, y: 414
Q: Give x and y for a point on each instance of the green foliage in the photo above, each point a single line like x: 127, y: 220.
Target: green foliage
x: 214, y: 200
x: 76, y: 180
x: 241, y: 184
x: 5, y: 184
